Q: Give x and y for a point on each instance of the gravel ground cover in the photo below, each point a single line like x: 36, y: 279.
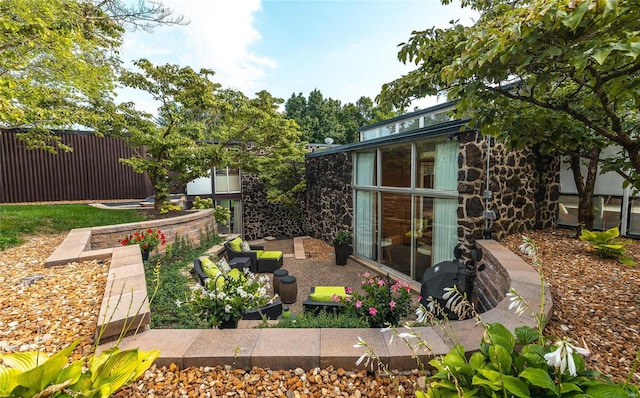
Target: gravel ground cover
x: 594, y: 299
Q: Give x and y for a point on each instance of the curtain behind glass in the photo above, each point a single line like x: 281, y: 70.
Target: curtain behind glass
x: 445, y: 211
x: 365, y: 219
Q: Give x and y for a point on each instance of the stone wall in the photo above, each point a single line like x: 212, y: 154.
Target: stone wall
x: 191, y: 227
x: 329, y: 195
x: 525, y: 187
x: 261, y: 218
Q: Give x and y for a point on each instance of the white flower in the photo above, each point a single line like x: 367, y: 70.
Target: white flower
x: 516, y: 302
x: 421, y: 313
x: 562, y: 357
x: 528, y: 247
x: 178, y: 303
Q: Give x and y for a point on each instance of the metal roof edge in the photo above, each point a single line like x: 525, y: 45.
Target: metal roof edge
x: 447, y: 128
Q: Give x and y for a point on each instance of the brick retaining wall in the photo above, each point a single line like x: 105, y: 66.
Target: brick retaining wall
x: 190, y: 227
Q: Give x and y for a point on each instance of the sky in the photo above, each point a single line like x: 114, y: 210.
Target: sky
x: 346, y: 49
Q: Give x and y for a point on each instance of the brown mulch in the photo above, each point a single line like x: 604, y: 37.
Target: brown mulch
x: 594, y: 299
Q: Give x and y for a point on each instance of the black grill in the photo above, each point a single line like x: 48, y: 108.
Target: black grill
x: 449, y: 274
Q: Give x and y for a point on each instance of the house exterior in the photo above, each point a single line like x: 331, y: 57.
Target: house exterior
x: 412, y: 190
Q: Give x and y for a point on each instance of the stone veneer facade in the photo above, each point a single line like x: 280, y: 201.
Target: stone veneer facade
x: 261, y: 219
x: 525, y: 188
x: 329, y: 195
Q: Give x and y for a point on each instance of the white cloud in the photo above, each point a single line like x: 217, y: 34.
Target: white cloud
x: 221, y: 36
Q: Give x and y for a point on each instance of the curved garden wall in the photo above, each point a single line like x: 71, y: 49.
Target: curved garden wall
x: 190, y: 227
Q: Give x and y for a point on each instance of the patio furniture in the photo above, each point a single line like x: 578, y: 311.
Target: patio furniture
x: 288, y: 289
x: 261, y: 260
x: 321, y: 298
x: 240, y: 263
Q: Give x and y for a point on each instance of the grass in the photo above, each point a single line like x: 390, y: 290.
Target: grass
x: 18, y: 221
x: 173, y: 282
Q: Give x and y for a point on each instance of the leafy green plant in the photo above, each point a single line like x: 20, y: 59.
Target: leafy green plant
x: 382, y: 303
x: 199, y: 203
x: 520, y: 364
x: 343, y: 237
x: 147, y: 239
x: 174, y: 281
x: 322, y: 319
x: 228, y: 296
x: 167, y: 206
x: 29, y: 374
x: 608, y: 244
x: 222, y: 215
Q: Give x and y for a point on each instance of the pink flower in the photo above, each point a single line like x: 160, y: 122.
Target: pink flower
x: 373, y: 311
x: 419, y: 298
x: 366, y: 274
x: 380, y: 282
x: 392, y: 304
x: 347, y: 290
x: 358, y: 304
x: 335, y: 298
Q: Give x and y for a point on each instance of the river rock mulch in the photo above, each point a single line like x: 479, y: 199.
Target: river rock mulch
x: 594, y: 299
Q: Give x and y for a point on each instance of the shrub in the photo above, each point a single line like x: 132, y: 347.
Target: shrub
x: 522, y: 364
x: 323, y: 319
x: 608, y: 244
x: 381, y: 303
x: 199, y: 203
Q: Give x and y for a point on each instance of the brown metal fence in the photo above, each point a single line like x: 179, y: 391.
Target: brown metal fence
x: 91, y: 172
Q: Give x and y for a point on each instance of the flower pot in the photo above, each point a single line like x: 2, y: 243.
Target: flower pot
x: 271, y: 311
x: 230, y: 324
x: 342, y: 253
x: 145, y: 255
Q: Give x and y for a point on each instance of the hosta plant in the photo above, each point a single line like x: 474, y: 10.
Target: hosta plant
x: 35, y: 374
x: 608, y: 244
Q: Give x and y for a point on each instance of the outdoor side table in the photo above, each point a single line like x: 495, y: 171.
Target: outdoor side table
x: 288, y: 289
x: 241, y: 263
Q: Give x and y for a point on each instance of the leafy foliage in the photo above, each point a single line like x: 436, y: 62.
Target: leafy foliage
x: 322, y: 319
x: 199, y: 203
x: 608, y: 244
x: 59, y: 61
x: 320, y: 117
x: 29, y: 374
x: 381, y: 303
x: 572, y: 62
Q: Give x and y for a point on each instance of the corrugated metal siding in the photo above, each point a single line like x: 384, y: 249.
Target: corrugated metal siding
x: 91, y: 172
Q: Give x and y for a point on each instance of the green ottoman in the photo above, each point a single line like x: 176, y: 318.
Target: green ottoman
x: 269, y: 261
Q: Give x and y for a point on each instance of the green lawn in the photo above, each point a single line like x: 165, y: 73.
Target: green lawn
x: 18, y: 221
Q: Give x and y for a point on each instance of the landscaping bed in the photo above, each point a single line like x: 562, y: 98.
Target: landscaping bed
x: 594, y: 299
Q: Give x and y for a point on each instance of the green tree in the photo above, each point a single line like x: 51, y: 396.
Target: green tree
x: 59, y: 60
x: 199, y: 126
x: 576, y: 62
x: 320, y: 117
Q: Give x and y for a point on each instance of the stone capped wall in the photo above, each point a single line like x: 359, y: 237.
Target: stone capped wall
x: 262, y: 219
x: 525, y: 187
x: 329, y: 195
x: 190, y: 227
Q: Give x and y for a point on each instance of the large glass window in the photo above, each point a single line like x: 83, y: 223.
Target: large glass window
x: 399, y: 223
x: 234, y: 226
x: 396, y: 166
x: 227, y: 180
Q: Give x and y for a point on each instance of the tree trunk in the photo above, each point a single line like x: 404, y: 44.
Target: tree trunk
x: 585, y: 187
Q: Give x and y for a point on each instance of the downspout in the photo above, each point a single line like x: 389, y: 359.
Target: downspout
x: 488, y: 214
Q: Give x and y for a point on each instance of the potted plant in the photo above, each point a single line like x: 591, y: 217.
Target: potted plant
x: 148, y: 240
x: 229, y: 296
x: 342, y: 246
